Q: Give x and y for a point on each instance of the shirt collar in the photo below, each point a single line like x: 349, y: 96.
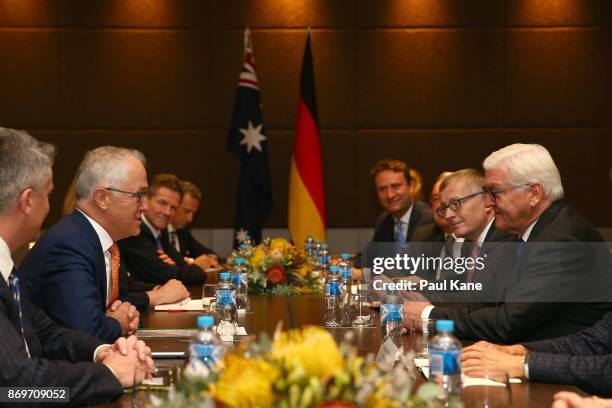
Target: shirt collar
x: 485, y: 231
x: 105, y: 239
x: 406, y: 217
x: 527, y: 232
x: 6, y: 262
x: 171, y: 228
x: 153, y: 230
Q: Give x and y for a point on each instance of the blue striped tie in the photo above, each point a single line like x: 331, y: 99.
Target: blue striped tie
x: 14, y: 285
x: 399, y: 234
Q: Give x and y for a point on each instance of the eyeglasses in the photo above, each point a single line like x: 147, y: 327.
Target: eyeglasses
x: 493, y: 192
x: 455, y: 205
x: 138, y: 195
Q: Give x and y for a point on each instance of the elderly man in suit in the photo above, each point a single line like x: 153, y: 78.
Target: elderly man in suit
x: 550, y: 265
x: 73, y: 270
x: 149, y: 257
x: 35, y: 351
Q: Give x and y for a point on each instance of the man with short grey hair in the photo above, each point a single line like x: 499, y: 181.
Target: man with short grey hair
x: 551, y: 266
x: 34, y: 350
x: 73, y: 270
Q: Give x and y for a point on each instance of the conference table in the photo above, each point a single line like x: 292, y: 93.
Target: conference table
x: 266, y: 311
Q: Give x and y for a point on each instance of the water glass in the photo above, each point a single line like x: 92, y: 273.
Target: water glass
x: 421, y: 332
x: 488, y: 387
x: 360, y: 312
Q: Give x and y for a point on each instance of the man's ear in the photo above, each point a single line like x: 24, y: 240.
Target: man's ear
x: 536, y: 194
x: 102, y: 198
x: 24, y: 202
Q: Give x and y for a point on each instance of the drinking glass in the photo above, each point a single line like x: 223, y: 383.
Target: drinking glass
x: 488, y: 387
x: 421, y: 332
x: 360, y: 312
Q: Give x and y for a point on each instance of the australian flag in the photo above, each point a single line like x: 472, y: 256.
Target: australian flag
x: 247, y: 140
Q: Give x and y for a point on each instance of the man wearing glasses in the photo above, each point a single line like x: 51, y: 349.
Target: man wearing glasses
x: 72, y: 272
x: 549, y: 275
x: 149, y: 256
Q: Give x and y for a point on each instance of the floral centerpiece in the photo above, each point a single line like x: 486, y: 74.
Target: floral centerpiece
x: 278, y: 267
x: 301, y: 368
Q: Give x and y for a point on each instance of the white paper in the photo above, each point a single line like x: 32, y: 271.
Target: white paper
x: 467, y: 381
x: 188, y: 305
x: 153, y: 381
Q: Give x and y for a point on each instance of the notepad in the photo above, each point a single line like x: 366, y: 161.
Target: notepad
x: 467, y: 381
x: 187, y: 305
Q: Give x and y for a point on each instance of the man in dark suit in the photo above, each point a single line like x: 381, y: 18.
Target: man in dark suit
x: 148, y: 256
x: 402, y: 216
x: 179, y: 235
x: 545, y: 294
x: 583, y: 359
x: 438, y: 230
x: 34, y: 350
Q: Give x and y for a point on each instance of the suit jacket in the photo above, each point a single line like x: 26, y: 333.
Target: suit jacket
x: 385, y: 223
x: 60, y: 357
x: 142, y: 260
x: 133, y: 291
x: 533, y: 278
x: 64, y: 274
x: 583, y: 359
x: 428, y: 233
x: 190, y: 246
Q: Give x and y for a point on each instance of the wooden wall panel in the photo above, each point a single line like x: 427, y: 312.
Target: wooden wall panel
x: 29, y: 13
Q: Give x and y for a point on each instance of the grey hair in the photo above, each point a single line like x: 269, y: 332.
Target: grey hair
x: 103, y: 166
x: 25, y: 162
x: 472, y: 177
x: 528, y: 163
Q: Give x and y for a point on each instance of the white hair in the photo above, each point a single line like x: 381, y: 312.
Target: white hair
x: 104, y: 166
x: 528, y: 163
x: 24, y: 163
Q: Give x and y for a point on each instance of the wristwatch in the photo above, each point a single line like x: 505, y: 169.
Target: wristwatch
x: 526, y: 364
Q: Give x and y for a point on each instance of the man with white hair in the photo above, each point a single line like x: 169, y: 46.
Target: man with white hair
x: 34, y: 350
x: 73, y: 270
x: 546, y: 295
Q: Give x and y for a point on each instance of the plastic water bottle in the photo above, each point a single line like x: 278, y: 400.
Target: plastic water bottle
x: 309, y: 246
x: 333, y: 299
x: 205, y: 345
x: 445, y: 359
x: 226, y: 310
x: 324, y: 257
x: 242, y: 249
x: 346, y: 277
x: 317, y: 248
x: 392, y: 319
x: 240, y: 282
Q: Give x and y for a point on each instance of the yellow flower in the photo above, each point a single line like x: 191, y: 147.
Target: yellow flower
x: 257, y: 257
x: 280, y: 243
x: 245, y: 383
x: 312, y: 349
x: 304, y: 270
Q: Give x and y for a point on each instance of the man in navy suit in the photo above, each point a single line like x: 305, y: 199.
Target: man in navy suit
x: 70, y: 272
x: 34, y: 350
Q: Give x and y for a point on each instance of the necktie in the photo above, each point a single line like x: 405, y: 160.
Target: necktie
x: 174, y: 241
x: 520, y: 245
x: 399, y: 234
x: 115, y: 262
x: 14, y: 285
x: 473, y: 255
x: 158, y: 243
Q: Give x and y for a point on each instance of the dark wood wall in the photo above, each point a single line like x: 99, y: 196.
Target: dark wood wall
x: 437, y: 83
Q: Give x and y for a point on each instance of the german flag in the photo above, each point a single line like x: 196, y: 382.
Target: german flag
x: 306, y: 195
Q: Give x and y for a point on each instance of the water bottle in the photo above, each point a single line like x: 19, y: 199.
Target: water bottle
x: 242, y: 250
x: 392, y: 319
x: 445, y: 359
x: 205, y: 345
x: 317, y: 248
x: 324, y: 257
x: 346, y: 277
x: 226, y: 311
x: 241, y: 283
x: 333, y: 299
x: 309, y: 246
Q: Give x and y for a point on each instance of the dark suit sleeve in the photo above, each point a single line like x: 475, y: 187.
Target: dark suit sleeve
x: 143, y: 262
x: 70, y: 292
x: 133, y: 291
x: 194, y: 247
x: 88, y: 382
x: 591, y: 373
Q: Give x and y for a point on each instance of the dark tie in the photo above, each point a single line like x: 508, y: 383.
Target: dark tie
x: 520, y: 246
x: 14, y: 285
x: 158, y: 243
x: 174, y: 241
x: 473, y: 254
x: 399, y: 234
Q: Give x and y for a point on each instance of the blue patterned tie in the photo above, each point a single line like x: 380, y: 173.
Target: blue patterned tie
x: 14, y: 285
x: 520, y: 245
x: 158, y: 243
x: 399, y: 234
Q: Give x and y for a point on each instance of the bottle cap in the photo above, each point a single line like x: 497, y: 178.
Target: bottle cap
x: 224, y: 275
x: 243, y: 246
x: 324, y: 246
x: 344, y: 256
x: 205, y: 321
x: 445, y: 326
x: 333, y: 269
x: 238, y: 261
x: 318, y: 241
